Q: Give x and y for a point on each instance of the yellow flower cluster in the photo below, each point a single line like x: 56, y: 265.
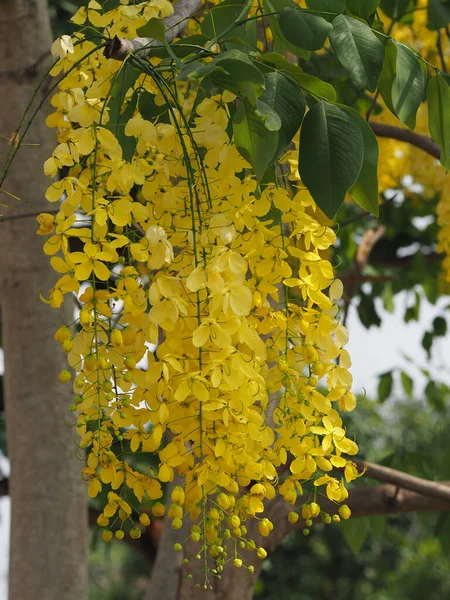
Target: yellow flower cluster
x: 188, y: 343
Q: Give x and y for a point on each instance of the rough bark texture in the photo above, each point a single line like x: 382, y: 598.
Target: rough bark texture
x: 119, y: 48
x: 48, y: 557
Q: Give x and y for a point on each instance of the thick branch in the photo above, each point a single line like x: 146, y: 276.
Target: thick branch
x: 363, y: 502
x: 119, y: 48
x: 432, y: 489
x: 405, y: 135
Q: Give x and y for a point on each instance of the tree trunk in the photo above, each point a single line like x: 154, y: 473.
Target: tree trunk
x: 48, y: 558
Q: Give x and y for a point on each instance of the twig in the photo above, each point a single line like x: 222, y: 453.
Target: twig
x: 433, y: 489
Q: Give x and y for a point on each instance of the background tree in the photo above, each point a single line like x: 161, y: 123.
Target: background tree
x: 48, y: 556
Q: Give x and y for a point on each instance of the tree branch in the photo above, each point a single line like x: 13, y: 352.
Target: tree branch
x: 119, y: 48
x: 363, y: 502
x: 432, y: 489
x: 405, y: 135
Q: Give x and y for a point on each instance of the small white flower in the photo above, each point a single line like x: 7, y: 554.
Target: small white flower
x: 62, y: 46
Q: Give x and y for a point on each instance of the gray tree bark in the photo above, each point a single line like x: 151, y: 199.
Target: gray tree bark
x: 48, y: 557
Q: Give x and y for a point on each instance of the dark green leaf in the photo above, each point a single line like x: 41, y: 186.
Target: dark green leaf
x: 280, y: 43
x: 256, y: 144
x: 124, y: 79
x: 330, y: 6
x: 358, y: 50
x: 367, y: 311
x: 244, y: 37
x: 286, y: 99
x: 394, y: 9
x: 388, y: 74
x: 408, y: 88
x: 150, y: 110
x: 407, y: 383
x: 318, y: 88
x: 331, y: 155
x: 304, y: 29
x: 385, y: 386
x: 279, y: 62
x: 222, y: 16
x: 427, y: 342
x: 355, y: 532
x: 156, y: 30
x: 440, y: 326
x: 232, y: 70
x: 196, y: 70
x: 365, y: 189
x: 438, y: 13
x: 363, y: 8
x: 236, y: 72
x: 438, y: 95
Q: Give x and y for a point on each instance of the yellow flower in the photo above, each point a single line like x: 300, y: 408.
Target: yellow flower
x: 62, y: 45
x: 46, y: 224
x: 90, y: 260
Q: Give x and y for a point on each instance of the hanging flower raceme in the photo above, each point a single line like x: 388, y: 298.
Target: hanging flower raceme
x: 208, y: 331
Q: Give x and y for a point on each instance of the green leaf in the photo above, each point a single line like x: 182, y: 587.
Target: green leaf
x: 304, y: 29
x: 438, y: 95
x: 407, y: 384
x: 122, y: 82
x: 286, y: 99
x: 388, y: 74
x: 331, y: 155
x: 427, y: 342
x: 222, y: 16
x: 358, y: 50
x: 385, y: 386
x: 316, y: 87
x: 365, y: 189
x: 279, y: 62
x: 363, y: 8
x: 196, y: 70
x: 331, y: 6
x: 394, y: 9
x: 408, y: 88
x: 232, y: 70
x: 272, y: 121
x: 388, y: 297
x: 280, y: 43
x: 439, y: 326
x: 256, y: 144
x: 438, y: 13
x: 236, y: 72
x: 367, y: 311
x: 355, y: 532
x: 155, y: 29
x: 244, y: 37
